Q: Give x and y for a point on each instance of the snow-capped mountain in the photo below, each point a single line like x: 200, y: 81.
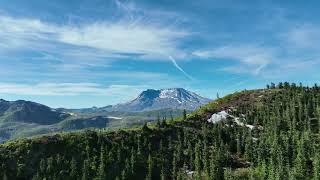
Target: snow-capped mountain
x: 175, y: 98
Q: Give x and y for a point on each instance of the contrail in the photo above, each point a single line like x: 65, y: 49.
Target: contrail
x: 179, y: 68
x: 125, y: 8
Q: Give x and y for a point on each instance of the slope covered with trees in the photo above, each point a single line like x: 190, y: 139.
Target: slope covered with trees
x: 270, y: 133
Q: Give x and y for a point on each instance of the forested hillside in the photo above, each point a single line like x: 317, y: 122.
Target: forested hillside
x: 270, y: 133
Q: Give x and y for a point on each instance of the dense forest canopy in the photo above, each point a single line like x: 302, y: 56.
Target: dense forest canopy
x: 270, y: 133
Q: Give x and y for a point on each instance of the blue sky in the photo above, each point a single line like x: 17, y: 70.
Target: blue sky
x: 83, y: 53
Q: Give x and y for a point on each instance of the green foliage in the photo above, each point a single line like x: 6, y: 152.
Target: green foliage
x: 282, y: 143
x: 12, y: 125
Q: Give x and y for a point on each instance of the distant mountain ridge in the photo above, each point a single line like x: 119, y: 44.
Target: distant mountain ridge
x: 151, y: 99
x: 29, y: 112
x: 148, y: 100
x: 25, y: 118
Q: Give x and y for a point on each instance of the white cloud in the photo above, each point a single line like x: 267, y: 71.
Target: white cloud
x: 295, y: 49
x: 252, y: 58
x: 49, y: 89
x: 109, y: 37
x: 17, y: 33
x: 304, y: 36
x: 123, y: 38
x: 68, y: 89
x: 139, y: 75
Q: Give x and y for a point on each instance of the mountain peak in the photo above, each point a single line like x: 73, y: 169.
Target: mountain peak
x: 175, y: 98
x: 162, y: 93
x: 149, y: 94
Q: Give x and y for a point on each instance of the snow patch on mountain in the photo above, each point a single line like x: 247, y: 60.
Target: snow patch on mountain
x: 217, y: 117
x: 223, y: 115
x: 114, y: 117
x: 168, y: 93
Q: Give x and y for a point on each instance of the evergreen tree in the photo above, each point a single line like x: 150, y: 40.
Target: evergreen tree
x: 228, y: 174
x: 102, y: 167
x: 316, y: 166
x: 133, y: 161
x: 150, y: 168
x: 299, y: 164
x: 184, y: 114
x: 35, y: 177
x: 163, y: 174
x: 43, y: 167
x: 85, y: 170
x: 123, y: 174
x: 174, y: 167
x: 74, y: 171
x: 216, y: 166
x: 198, y: 161
x: 5, y: 177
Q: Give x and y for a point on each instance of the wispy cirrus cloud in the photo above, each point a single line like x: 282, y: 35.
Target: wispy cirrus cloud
x: 294, y: 49
x: 252, y: 58
x: 109, y: 37
x: 305, y: 36
x: 49, y: 89
x: 122, y: 38
x: 75, y: 48
x: 68, y: 89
